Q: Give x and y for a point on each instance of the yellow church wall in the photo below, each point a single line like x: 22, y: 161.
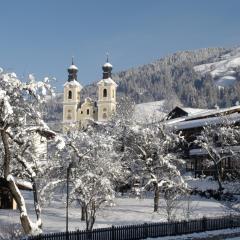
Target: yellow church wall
x: 75, y: 93
x: 80, y: 115
x: 86, y: 111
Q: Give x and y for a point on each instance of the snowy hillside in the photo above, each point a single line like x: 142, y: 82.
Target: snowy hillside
x: 223, y: 69
x: 149, y: 112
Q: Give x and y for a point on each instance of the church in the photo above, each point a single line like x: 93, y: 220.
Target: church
x: 79, y: 113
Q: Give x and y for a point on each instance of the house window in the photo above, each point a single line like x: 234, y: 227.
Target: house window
x: 69, y: 94
x: 104, y: 115
x: 104, y: 92
x: 81, y: 112
x: 87, y: 111
x: 104, y: 110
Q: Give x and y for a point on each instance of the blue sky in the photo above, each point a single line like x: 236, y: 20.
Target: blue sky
x: 40, y: 37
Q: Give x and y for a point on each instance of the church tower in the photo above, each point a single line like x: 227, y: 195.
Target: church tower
x: 106, y: 94
x: 71, y: 97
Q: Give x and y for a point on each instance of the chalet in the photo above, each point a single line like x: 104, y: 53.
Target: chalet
x: 6, y: 199
x: 190, y: 122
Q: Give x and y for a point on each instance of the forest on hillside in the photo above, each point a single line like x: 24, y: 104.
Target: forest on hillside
x: 171, y: 77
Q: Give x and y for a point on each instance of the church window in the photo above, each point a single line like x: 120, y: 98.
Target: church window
x: 93, y: 111
x: 87, y: 111
x: 69, y: 115
x: 104, y: 110
x: 104, y: 92
x: 69, y: 94
x: 81, y: 112
x: 104, y: 115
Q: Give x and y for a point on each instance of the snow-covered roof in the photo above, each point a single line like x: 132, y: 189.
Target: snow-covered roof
x: 107, y: 81
x: 73, y: 83
x: 201, y: 151
x: 202, y: 115
x: 195, y: 123
x: 73, y: 67
x: 107, y: 64
x: 212, y: 112
x: 191, y: 111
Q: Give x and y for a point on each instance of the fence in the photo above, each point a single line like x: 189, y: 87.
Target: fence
x: 146, y: 230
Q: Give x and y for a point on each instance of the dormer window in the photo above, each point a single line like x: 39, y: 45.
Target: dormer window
x: 104, y: 92
x: 69, y: 94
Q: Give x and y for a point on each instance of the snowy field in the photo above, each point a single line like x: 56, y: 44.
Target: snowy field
x: 149, y: 112
x: 208, y: 234
x: 125, y: 211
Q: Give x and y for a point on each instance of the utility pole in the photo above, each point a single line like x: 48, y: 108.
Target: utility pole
x: 67, y: 200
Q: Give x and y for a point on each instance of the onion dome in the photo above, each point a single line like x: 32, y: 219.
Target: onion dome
x: 107, y: 69
x: 72, y: 72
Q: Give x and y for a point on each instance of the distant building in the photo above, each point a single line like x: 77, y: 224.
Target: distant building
x: 79, y: 113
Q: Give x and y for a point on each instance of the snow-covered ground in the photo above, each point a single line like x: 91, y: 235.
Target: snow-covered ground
x: 149, y: 112
x: 125, y: 211
x: 207, y: 234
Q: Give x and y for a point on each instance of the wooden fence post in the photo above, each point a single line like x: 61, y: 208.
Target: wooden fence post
x: 78, y: 234
x: 145, y: 227
x: 231, y: 221
x: 176, y: 228
x: 89, y: 234
x: 204, y: 224
x: 113, y: 233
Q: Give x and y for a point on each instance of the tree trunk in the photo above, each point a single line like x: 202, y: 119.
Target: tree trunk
x: 90, y: 213
x: 7, y: 154
x: 218, y: 175
x: 156, y: 198
x: 83, y: 213
x: 27, y: 225
x: 36, y: 202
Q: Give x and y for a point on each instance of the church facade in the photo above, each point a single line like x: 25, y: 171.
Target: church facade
x: 79, y: 113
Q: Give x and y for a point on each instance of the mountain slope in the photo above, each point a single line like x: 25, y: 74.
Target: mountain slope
x: 224, y: 70
x: 177, y: 75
